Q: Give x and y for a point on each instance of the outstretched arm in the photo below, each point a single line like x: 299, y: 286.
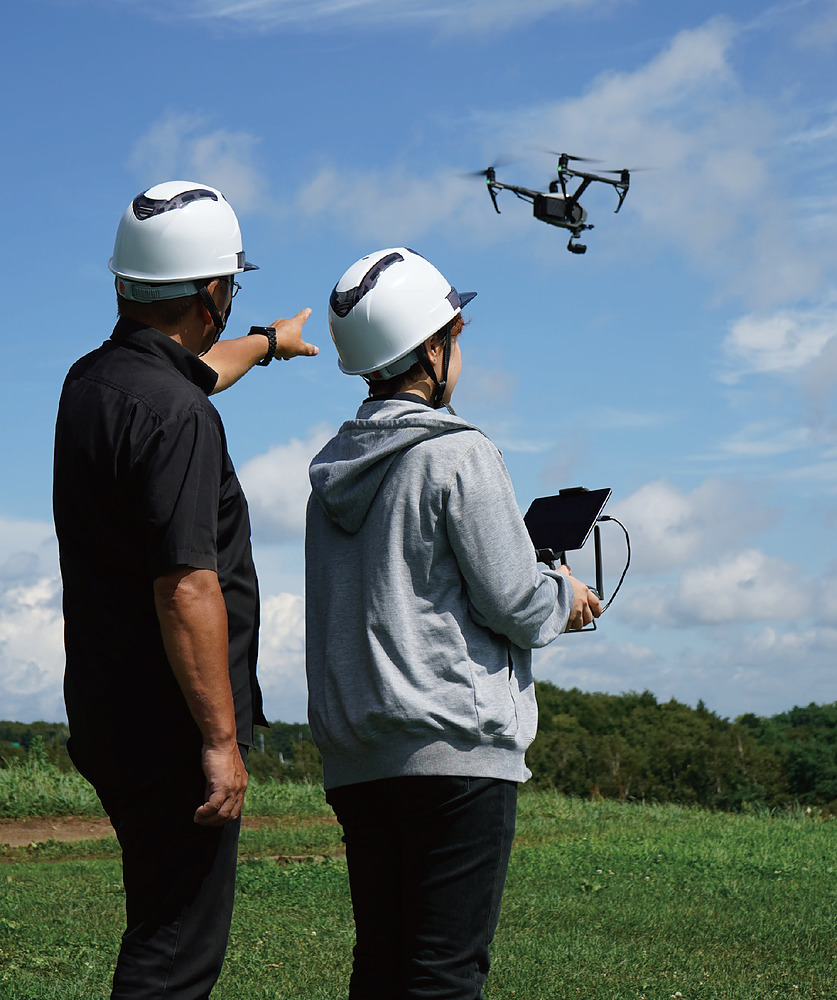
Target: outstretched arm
x: 233, y: 358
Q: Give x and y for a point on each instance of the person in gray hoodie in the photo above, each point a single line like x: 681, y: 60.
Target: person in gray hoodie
x: 423, y: 603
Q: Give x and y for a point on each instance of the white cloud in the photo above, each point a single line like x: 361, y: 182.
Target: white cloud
x: 27, y: 549
x: 32, y: 651
x: 596, y: 663
x: 799, y: 348
x: 281, y: 636
x: 780, y: 343
x: 734, y: 669
x: 183, y: 146
x: 31, y: 623
x: 282, y: 658
x: 32, y: 654
x: 716, y: 150
x: 764, y: 670
x: 743, y: 586
x: 276, y: 486
x: 390, y: 206
x: 736, y: 588
x: 671, y: 528
x: 676, y: 113
x: 684, y: 112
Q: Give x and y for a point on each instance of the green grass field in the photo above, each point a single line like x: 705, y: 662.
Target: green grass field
x: 603, y: 900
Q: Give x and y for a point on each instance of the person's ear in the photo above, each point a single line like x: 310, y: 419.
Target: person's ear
x: 432, y: 346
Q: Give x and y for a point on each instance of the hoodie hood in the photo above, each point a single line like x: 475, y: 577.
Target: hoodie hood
x: 346, y: 475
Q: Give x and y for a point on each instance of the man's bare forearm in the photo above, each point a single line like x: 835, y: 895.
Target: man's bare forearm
x: 233, y: 358
x: 193, y: 623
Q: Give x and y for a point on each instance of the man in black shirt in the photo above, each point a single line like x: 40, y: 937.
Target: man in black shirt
x: 161, y: 600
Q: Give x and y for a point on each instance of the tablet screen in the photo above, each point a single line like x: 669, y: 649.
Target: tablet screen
x: 563, y: 522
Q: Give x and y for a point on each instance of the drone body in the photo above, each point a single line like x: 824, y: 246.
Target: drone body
x: 560, y: 206
x: 557, y: 210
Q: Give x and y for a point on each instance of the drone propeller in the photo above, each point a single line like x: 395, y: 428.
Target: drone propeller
x: 489, y: 171
x: 479, y: 173
x: 567, y: 156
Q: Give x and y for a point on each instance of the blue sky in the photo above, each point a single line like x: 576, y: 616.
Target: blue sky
x: 688, y: 361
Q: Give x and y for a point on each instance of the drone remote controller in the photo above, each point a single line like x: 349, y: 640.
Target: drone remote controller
x: 563, y: 523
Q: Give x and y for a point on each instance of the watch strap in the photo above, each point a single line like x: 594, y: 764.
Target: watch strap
x: 270, y: 333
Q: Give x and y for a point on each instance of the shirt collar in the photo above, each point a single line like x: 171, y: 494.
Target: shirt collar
x: 133, y: 334
x: 407, y: 397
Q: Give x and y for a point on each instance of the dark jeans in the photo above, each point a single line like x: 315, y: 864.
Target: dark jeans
x: 427, y: 864
x: 179, y: 887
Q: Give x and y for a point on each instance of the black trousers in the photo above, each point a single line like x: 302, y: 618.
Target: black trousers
x: 427, y: 861
x: 179, y: 887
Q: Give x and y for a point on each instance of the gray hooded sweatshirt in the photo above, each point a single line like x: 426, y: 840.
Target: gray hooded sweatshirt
x: 423, y: 601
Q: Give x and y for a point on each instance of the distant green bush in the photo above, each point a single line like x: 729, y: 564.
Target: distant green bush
x: 633, y: 748
x: 36, y: 787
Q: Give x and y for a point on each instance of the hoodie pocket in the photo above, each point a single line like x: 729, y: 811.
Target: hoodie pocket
x: 495, y: 698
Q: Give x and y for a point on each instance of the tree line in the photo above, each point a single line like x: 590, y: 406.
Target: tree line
x: 629, y: 747
x: 634, y: 748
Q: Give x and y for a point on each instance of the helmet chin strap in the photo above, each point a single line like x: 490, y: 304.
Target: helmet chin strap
x: 441, y: 385
x: 218, y: 320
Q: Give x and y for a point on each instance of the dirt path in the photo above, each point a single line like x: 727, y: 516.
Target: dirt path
x: 21, y: 832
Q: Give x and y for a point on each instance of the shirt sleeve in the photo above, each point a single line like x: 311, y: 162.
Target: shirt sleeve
x: 177, y: 479
x: 509, y: 592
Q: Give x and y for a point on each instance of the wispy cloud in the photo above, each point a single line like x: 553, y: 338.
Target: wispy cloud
x: 390, y: 206
x: 821, y: 30
x: 186, y: 146
x: 446, y: 17
x: 766, y: 440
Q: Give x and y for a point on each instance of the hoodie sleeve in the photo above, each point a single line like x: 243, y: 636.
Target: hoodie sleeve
x: 509, y: 592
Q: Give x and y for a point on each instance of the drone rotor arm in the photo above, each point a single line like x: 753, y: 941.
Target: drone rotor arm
x: 527, y: 194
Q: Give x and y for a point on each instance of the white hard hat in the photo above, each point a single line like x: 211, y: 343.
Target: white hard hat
x: 172, y: 236
x: 384, y: 306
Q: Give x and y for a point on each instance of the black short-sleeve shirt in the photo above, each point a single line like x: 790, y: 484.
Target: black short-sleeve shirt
x: 143, y: 483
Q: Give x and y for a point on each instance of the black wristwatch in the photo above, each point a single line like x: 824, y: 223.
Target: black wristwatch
x: 270, y: 333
